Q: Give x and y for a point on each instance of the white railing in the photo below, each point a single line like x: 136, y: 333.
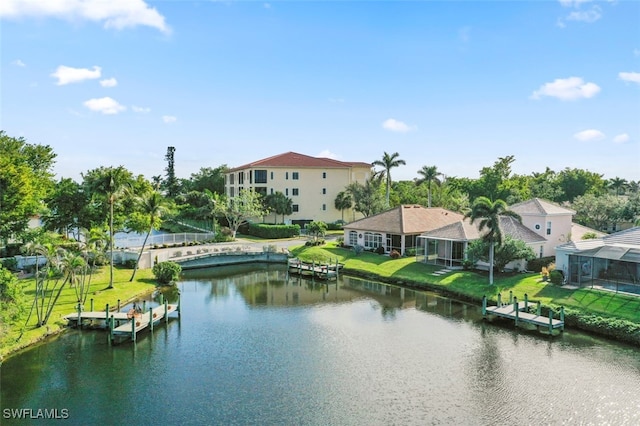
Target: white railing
x: 136, y: 240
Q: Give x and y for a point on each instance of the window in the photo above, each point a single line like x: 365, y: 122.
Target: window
x: 232, y: 192
x: 372, y: 241
x: 548, y: 228
x: 262, y: 190
x: 271, y: 191
x: 324, y: 191
x: 541, y: 251
x: 295, y: 175
x: 286, y: 175
x: 353, y: 238
x: 324, y: 175
x: 241, y: 178
x: 271, y: 175
x: 324, y: 207
x: 295, y: 191
x: 250, y: 176
x: 286, y: 192
x: 232, y: 179
x: 295, y: 208
x: 260, y: 176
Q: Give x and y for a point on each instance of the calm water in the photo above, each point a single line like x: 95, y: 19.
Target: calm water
x: 254, y: 348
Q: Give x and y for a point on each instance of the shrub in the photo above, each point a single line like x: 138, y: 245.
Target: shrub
x: 130, y: 263
x: 411, y: 252
x: 556, y: 277
x: 264, y: 230
x: 177, y: 253
x: 10, y: 263
x: 380, y: 250
x: 167, y: 272
x: 536, y: 265
x: 357, y: 249
x: 395, y: 254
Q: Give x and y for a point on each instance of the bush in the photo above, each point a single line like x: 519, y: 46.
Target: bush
x: 130, y: 263
x: 336, y: 226
x: 264, y: 230
x: 536, y: 265
x: 167, y: 272
x: 556, y: 277
x: 395, y: 254
x: 357, y: 249
x: 411, y: 252
x: 380, y: 250
x: 10, y: 263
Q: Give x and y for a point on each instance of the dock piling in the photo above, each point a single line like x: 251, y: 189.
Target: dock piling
x: 539, y: 309
x: 151, y: 319
x: 111, y: 321
x: 526, y: 302
x: 499, y: 300
x: 133, y: 328
x: 550, y: 321
x: 118, y: 305
x: 510, y: 296
x: 166, y: 311
x: 484, y: 306
x: 562, y: 317
x: 92, y: 304
x: 517, y: 309
x: 79, y: 315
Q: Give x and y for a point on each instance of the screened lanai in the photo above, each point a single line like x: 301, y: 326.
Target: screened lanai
x: 610, y: 267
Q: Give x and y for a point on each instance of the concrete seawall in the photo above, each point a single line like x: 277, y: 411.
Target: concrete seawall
x: 232, y: 258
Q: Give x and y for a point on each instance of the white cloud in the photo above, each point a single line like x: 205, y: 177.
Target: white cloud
x: 141, y: 110
x: 589, y: 135
x: 168, y: 119
x: 394, y: 125
x: 66, y: 75
x: 105, y: 105
x: 588, y: 16
x: 567, y: 89
x: 327, y: 154
x: 109, y: 82
x: 116, y: 14
x: 633, y: 77
x: 622, y: 138
x: 573, y: 3
x: 18, y: 63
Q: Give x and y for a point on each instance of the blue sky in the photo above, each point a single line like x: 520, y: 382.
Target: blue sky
x: 450, y: 84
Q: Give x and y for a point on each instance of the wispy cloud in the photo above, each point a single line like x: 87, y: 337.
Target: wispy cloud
x: 104, y: 105
x: 621, y: 138
x: 327, y: 154
x: 117, y: 14
x: 578, y: 13
x: 589, y: 135
x: 67, y: 75
x: 567, y: 89
x: 632, y: 77
x: 18, y: 63
x: 109, y: 82
x: 140, y: 110
x: 394, y: 125
x: 168, y: 119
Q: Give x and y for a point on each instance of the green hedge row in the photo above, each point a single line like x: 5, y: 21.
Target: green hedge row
x: 536, y: 265
x: 618, y: 329
x: 264, y: 230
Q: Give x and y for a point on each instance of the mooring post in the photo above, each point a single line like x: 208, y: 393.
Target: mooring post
x: 118, y: 305
x: 144, y: 305
x: 562, y: 316
x: 550, y: 321
x: 111, y: 322
x: 166, y: 311
x: 337, y: 267
x: 539, y: 309
x: 510, y: 296
x: 133, y: 328
x: 106, y: 315
x: 515, y: 308
x: 499, y: 300
x: 484, y: 306
x: 151, y: 319
x: 92, y: 304
x: 526, y: 302
x: 178, y: 308
x: 161, y: 298
x: 79, y: 315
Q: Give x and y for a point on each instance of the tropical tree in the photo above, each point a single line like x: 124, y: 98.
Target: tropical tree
x: 66, y: 204
x: 238, y: 210
x: 488, y: 213
x: 387, y: 163
x: 343, y: 201
x: 618, y: 185
x: 429, y: 175
x: 278, y: 203
x: 511, y: 249
x: 317, y: 229
x: 152, y: 206
x: 366, y: 197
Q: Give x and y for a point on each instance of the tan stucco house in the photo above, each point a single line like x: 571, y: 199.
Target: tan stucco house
x: 312, y: 183
x: 397, y: 228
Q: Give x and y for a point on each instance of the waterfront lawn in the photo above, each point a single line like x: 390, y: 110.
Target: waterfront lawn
x: 475, y: 284
x: 21, y: 335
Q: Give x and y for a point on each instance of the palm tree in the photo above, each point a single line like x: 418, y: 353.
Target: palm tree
x: 343, y: 201
x: 389, y: 162
x: 153, y: 205
x: 429, y: 174
x: 618, y: 184
x: 488, y: 213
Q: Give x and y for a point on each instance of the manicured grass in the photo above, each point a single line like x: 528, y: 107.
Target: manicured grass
x: 474, y: 285
x: 21, y: 335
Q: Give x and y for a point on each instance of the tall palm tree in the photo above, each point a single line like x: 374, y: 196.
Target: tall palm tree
x: 389, y: 162
x: 618, y: 184
x: 429, y: 174
x: 153, y: 205
x: 488, y: 214
x: 343, y: 201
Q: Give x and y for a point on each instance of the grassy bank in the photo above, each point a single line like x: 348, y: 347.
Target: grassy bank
x: 22, y: 334
x: 589, y: 309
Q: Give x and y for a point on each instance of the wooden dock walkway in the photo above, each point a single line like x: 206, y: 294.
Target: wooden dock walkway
x: 143, y: 320
x: 519, y: 312
x: 324, y: 272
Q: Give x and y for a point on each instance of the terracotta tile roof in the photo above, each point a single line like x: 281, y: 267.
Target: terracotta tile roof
x: 294, y: 159
x: 463, y: 230
x: 538, y: 206
x: 406, y: 219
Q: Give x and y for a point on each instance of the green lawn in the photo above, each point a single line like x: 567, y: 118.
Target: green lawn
x: 21, y: 335
x: 475, y: 284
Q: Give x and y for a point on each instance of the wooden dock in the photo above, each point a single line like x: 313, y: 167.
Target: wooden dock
x: 519, y: 313
x: 313, y: 270
x: 142, y: 320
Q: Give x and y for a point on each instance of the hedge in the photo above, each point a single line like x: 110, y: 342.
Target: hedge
x: 264, y: 230
x: 536, y: 265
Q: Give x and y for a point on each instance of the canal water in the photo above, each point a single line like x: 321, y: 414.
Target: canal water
x: 256, y: 347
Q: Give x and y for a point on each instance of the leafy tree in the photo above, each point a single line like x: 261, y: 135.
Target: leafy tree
x: 171, y: 182
x: 598, y: 211
x: 25, y: 180
x: 152, y: 206
x: 367, y: 198
x: 577, y: 182
x: 511, y: 249
x: 238, y: 210
x: 206, y: 178
x: 11, y: 300
x: 387, y: 163
x: 166, y: 272
x: 451, y: 198
x: 492, y: 180
x: 278, y: 203
x: 429, y: 174
x: 66, y: 205
x: 488, y: 213
x: 343, y: 201
x: 317, y: 229
x: 546, y: 185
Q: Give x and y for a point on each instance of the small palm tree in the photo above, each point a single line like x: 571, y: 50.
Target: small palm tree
x: 389, y: 162
x: 618, y: 185
x: 429, y: 174
x: 488, y: 213
x: 153, y: 205
x: 343, y: 201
